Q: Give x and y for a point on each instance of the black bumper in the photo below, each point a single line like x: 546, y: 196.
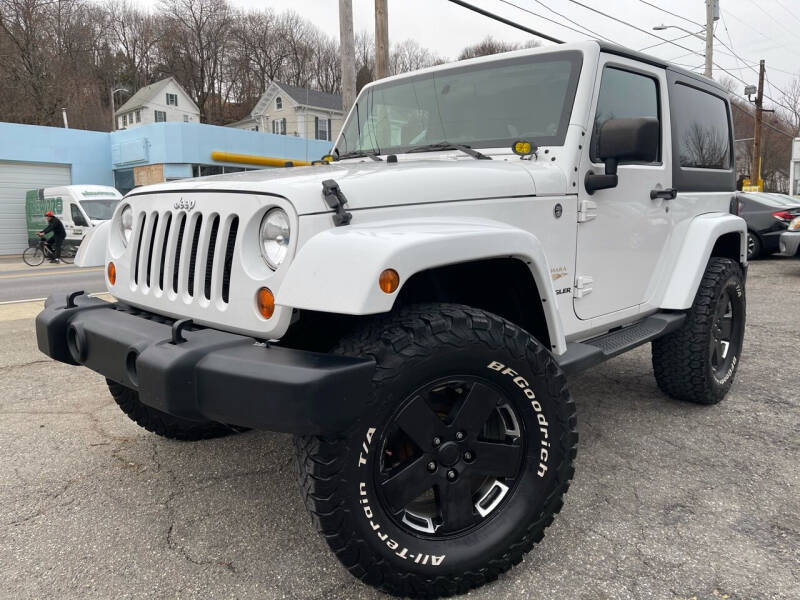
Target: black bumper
x: 206, y: 374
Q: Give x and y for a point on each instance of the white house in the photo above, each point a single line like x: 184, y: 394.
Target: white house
x: 289, y: 110
x: 161, y: 101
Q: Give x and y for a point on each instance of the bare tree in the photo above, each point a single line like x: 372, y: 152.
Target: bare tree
x: 193, y: 48
x: 489, y: 45
x: 70, y: 53
x: 410, y: 56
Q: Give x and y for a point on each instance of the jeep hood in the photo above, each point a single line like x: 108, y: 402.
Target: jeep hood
x: 373, y: 184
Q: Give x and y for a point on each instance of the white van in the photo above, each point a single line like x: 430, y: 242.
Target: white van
x: 79, y: 207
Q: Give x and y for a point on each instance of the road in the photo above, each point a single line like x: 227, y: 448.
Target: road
x: 21, y: 282
x: 670, y: 501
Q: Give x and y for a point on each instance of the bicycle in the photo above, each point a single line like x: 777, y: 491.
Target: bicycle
x: 35, y: 255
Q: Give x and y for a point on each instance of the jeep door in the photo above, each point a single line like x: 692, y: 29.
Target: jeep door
x: 622, y: 232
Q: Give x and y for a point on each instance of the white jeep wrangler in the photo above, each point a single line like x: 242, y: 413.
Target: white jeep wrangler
x: 410, y: 311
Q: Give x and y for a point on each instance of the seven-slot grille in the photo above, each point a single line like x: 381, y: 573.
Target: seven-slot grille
x: 184, y: 253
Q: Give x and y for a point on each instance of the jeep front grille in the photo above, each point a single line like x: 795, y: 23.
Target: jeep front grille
x: 185, y: 254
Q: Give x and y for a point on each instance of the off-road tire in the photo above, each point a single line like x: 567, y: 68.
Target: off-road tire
x: 160, y: 423
x: 682, y: 360
x: 408, y: 347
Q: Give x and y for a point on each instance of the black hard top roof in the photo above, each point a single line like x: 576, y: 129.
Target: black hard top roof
x: 658, y: 62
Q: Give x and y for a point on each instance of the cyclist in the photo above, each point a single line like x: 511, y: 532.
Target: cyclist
x: 56, y: 227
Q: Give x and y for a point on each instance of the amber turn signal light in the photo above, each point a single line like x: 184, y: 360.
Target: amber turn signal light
x: 265, y: 302
x: 111, y: 271
x: 389, y: 281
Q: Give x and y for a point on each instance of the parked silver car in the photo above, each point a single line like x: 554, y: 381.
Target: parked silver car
x: 789, y: 244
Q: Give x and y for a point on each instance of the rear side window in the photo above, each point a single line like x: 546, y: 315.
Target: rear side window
x: 703, y: 132
x: 702, y: 147
x: 623, y: 95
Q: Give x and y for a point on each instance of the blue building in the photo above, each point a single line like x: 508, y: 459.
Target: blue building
x: 33, y: 157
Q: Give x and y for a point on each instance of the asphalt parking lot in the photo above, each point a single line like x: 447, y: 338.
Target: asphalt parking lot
x: 669, y: 500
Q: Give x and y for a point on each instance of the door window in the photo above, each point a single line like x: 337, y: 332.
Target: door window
x: 77, y: 217
x: 624, y: 95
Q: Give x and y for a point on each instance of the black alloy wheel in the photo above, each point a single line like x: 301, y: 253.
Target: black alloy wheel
x: 722, y: 336
x: 451, y: 456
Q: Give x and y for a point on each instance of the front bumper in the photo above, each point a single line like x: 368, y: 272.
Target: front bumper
x: 789, y: 243
x: 206, y: 374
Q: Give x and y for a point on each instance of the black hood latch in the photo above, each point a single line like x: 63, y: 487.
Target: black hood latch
x: 336, y: 200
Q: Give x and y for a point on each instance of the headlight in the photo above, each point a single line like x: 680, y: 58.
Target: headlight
x: 795, y: 224
x: 126, y: 224
x: 274, y: 237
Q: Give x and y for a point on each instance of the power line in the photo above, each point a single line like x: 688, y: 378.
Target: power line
x: 739, y: 79
x: 664, y: 10
x: 764, y: 123
x: 551, y: 20
x: 743, y: 22
x: 773, y: 19
x: 683, y: 37
x: 779, y: 3
x: 505, y: 21
x: 573, y: 22
x: 631, y: 25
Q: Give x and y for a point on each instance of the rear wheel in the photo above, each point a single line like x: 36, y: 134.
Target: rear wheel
x: 33, y: 256
x: 461, y: 458
x: 163, y: 424
x: 698, y: 362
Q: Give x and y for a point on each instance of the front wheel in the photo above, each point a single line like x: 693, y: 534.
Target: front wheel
x: 753, y: 246
x: 460, y: 461
x: 697, y: 363
x: 33, y: 256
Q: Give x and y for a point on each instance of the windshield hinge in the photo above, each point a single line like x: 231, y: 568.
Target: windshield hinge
x: 336, y: 199
x: 587, y: 210
x: 583, y: 285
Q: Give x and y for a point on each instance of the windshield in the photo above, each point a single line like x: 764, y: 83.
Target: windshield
x: 488, y: 105
x: 99, y: 210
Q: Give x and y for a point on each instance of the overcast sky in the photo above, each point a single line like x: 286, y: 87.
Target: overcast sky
x: 754, y: 29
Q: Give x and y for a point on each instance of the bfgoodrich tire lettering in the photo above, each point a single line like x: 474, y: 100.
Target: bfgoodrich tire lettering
x: 439, y: 348
x: 698, y: 362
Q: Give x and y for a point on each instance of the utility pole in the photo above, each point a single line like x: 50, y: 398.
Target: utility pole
x: 755, y: 169
x: 712, y: 7
x: 347, y: 47
x: 381, y: 39
x: 111, y: 102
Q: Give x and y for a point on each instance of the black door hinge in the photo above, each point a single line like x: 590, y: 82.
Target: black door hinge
x: 336, y: 200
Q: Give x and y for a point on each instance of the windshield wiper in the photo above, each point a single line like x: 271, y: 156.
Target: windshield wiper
x: 360, y: 154
x: 448, y: 146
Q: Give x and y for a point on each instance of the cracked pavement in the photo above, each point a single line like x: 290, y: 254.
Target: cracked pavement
x: 669, y: 500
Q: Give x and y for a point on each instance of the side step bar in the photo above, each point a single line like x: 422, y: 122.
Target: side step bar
x: 583, y: 355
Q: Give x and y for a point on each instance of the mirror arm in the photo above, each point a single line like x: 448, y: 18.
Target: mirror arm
x: 596, y: 181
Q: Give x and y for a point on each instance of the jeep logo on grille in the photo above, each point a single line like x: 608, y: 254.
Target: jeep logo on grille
x: 182, y: 204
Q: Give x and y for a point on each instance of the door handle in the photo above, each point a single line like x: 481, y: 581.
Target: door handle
x: 666, y: 194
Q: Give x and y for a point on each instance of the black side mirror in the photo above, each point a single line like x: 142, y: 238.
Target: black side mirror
x: 623, y: 140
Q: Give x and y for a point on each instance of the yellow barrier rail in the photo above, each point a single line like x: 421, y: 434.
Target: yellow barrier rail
x: 252, y: 159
